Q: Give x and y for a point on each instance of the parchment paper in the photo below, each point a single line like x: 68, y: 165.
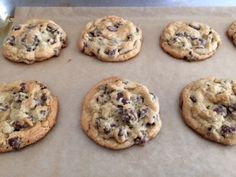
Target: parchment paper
x: 177, y: 151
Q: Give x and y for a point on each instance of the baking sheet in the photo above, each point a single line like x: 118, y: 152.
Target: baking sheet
x: 176, y: 151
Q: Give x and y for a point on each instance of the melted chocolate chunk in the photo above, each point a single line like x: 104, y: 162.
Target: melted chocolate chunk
x: 98, y: 122
x: 137, y: 30
x: 16, y: 27
x: 22, y: 87
x: 193, y: 99
x: 15, y: 143
x: 18, y: 125
x: 50, y: 29
x: 119, y: 96
x: 43, y: 99
x: 221, y: 110
x: 225, y: 130
x: 124, y: 101
x: 11, y: 40
x: 140, y: 141
x: 128, y: 115
x: 110, y: 52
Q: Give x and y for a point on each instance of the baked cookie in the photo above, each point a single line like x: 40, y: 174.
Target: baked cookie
x: 231, y: 32
x: 118, y: 113
x: 189, y: 41
x: 209, y: 108
x: 111, y: 39
x: 27, y: 113
x: 36, y: 40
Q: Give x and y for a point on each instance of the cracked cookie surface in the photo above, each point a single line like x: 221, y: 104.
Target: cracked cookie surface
x: 189, y: 41
x: 231, y: 32
x: 209, y: 108
x: 118, y: 113
x: 27, y: 113
x: 35, y: 40
x: 111, y: 38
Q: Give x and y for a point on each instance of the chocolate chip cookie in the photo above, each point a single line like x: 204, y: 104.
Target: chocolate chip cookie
x: 118, y: 113
x: 231, y: 32
x: 27, y: 113
x: 209, y: 108
x: 189, y: 41
x: 35, y: 40
x: 111, y: 39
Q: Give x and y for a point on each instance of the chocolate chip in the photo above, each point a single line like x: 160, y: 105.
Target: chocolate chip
x: 120, y: 133
x: 221, y: 110
x: 28, y: 49
x: 22, y: 87
x: 130, y: 37
x: 23, y: 40
x: 137, y: 30
x: 11, y: 40
x: 225, y: 130
x: 98, y: 122
x: 139, y: 99
x: 42, y: 112
x: 16, y: 27
x: 193, y: 98
x: 50, y: 29
x: 150, y: 124
x: 106, y: 130
x: 140, y: 140
x: 43, y: 98
x: 154, y: 97
x: 194, y: 26
x: 18, y: 125
x: 31, y: 26
x: 42, y: 87
x: 209, y: 128
x: 232, y: 108
x: 112, y: 28
x: 15, y: 143
x: 128, y: 115
x: 142, y: 113
x: 119, y: 96
x: 124, y: 101
x: 91, y: 34
x: 110, y: 52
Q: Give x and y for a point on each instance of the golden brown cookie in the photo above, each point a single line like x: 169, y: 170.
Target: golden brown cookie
x: 35, y: 40
x: 118, y: 113
x: 189, y: 41
x: 28, y: 112
x: 111, y: 38
x: 209, y: 108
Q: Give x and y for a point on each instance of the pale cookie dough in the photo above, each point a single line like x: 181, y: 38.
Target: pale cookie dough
x: 231, y: 32
x: 111, y: 39
x: 35, y: 40
x: 209, y: 108
x: 27, y: 113
x: 189, y: 41
x: 118, y: 113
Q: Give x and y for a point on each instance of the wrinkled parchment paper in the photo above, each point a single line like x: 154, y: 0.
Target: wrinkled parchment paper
x: 177, y: 151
